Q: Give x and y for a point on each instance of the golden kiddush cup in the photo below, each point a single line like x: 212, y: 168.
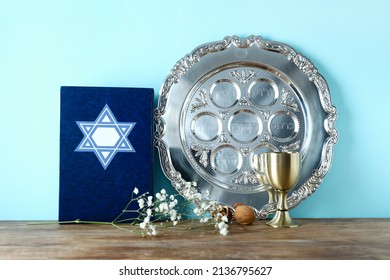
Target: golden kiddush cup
x: 282, y: 170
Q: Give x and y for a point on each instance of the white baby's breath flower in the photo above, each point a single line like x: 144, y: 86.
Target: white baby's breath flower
x: 141, y: 203
x: 152, y: 230
x: 224, y: 231
x: 222, y: 225
x: 150, y: 201
x: 197, y: 211
x: 171, y: 205
x: 173, y: 214
x: 164, y: 208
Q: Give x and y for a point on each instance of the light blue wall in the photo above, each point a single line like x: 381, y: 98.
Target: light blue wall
x: 47, y: 44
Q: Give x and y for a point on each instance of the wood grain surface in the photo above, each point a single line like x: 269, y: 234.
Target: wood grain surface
x: 322, y: 239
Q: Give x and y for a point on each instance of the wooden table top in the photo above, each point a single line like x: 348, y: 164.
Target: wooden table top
x: 323, y: 239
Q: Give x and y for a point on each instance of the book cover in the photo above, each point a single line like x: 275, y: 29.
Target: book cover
x: 106, y: 150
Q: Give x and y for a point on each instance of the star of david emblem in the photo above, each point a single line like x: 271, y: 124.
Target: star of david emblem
x: 105, y: 137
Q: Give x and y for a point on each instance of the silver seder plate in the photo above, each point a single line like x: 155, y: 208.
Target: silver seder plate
x: 229, y: 100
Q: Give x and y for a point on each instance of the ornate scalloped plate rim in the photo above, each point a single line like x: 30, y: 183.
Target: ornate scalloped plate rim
x: 182, y: 66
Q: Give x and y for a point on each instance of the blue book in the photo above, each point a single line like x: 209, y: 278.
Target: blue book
x: 106, y: 150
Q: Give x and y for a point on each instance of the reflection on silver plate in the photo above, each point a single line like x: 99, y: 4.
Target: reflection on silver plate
x: 230, y: 100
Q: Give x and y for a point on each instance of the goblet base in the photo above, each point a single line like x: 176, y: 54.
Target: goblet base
x: 282, y: 219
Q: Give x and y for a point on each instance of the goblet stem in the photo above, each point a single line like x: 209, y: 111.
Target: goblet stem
x: 282, y: 200
x: 282, y: 217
